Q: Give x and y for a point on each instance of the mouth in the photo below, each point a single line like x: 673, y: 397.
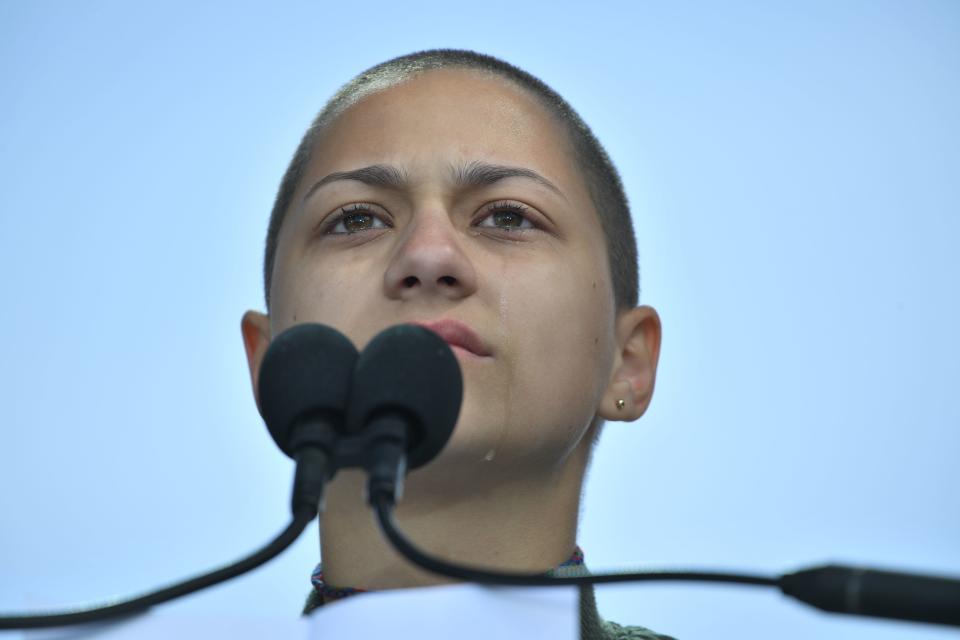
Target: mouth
x: 462, y: 339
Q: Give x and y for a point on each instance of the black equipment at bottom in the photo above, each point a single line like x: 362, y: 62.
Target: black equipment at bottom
x: 838, y: 589
x: 140, y: 604
x: 394, y: 408
x: 408, y: 401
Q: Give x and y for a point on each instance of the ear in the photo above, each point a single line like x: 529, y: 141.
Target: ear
x: 635, y: 365
x: 255, y: 327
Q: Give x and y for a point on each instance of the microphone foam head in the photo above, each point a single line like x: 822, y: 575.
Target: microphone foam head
x: 305, y: 373
x: 410, y: 370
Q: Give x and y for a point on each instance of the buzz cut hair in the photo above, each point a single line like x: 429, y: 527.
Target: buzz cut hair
x: 600, y: 175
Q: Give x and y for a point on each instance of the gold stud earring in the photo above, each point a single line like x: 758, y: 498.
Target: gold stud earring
x: 621, y: 404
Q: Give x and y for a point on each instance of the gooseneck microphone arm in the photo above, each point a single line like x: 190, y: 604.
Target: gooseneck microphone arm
x: 303, y: 387
x: 408, y: 378
x: 383, y: 508
x: 139, y: 604
x: 834, y: 588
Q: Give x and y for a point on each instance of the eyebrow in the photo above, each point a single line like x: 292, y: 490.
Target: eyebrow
x: 378, y: 175
x: 481, y: 174
x: 471, y: 175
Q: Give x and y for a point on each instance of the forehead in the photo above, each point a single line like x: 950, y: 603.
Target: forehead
x: 450, y: 117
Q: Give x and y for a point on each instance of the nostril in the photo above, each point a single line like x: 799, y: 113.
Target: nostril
x: 410, y: 281
x: 448, y: 280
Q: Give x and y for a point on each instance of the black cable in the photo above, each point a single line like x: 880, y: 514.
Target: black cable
x: 383, y: 505
x: 140, y: 604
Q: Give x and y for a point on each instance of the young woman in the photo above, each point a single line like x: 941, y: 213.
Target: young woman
x: 454, y: 190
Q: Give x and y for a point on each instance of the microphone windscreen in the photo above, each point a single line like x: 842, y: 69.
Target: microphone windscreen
x: 305, y: 374
x: 409, y: 370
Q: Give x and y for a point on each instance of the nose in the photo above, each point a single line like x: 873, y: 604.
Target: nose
x: 430, y: 261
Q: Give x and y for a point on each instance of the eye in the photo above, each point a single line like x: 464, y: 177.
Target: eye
x: 354, y: 219
x: 507, y: 216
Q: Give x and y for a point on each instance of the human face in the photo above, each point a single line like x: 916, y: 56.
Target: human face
x: 438, y: 230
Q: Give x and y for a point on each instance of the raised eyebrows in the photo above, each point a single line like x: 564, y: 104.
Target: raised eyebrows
x: 471, y: 175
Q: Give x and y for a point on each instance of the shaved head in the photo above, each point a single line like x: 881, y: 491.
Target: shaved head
x: 598, y: 172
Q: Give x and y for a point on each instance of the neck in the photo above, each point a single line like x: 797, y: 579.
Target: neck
x: 487, y: 514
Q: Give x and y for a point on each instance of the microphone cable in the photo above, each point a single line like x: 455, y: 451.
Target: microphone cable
x: 833, y: 588
x: 406, y: 394
x: 140, y: 604
x: 303, y: 383
x: 383, y: 506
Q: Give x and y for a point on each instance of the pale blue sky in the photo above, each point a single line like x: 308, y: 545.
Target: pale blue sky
x: 794, y: 170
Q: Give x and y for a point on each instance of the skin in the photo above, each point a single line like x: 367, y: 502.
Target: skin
x: 534, y: 284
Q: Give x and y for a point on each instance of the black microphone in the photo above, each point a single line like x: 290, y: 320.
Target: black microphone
x: 869, y: 592
x: 404, y: 402
x: 304, y: 384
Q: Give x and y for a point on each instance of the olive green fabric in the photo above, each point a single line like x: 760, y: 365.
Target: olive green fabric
x: 592, y: 626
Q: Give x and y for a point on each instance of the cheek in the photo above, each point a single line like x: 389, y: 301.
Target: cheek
x: 563, y: 339
x: 310, y: 289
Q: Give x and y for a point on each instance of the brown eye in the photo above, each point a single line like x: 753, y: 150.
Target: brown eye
x: 506, y: 216
x: 510, y: 219
x: 355, y: 220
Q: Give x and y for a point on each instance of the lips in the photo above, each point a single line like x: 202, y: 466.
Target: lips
x: 457, y: 334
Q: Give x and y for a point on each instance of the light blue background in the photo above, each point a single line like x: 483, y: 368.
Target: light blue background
x: 794, y: 170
